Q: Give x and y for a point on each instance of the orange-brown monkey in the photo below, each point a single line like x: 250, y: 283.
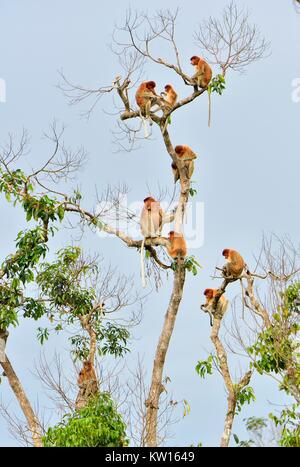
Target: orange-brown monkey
x: 170, y: 96
x: 208, y: 306
x: 146, y: 97
x: 151, y: 221
x: 186, y: 155
x: 203, y: 72
x: 177, y: 247
x: 235, y: 263
x: 202, y: 77
x: 86, y: 374
x: 88, y: 385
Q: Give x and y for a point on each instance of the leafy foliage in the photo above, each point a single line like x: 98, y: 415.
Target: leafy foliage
x: 66, y: 296
x: 217, y: 84
x: 96, y: 425
x: 65, y: 283
x: 205, y: 367
x: 289, y: 422
x: 277, y: 351
x: 192, y: 265
x: 243, y: 396
x: 19, y: 268
x: 277, y: 348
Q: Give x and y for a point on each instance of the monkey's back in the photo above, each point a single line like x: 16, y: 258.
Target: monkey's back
x: 237, y: 263
x: 178, y: 247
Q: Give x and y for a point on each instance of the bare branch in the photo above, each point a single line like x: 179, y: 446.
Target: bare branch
x: 231, y: 42
x: 63, y: 163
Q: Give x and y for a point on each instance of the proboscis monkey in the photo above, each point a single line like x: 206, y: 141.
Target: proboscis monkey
x: 169, y: 98
x: 170, y: 95
x: 145, y: 98
x: 202, y: 77
x: 177, y: 245
x: 235, y: 263
x: 88, y: 384
x: 152, y: 220
x: 208, y: 306
x: 186, y: 155
x: 87, y: 373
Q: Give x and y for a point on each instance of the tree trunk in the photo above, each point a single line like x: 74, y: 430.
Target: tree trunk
x: 231, y: 399
x: 156, y: 388
x: 228, y: 421
x: 28, y: 412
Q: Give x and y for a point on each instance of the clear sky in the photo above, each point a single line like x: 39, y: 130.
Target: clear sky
x: 247, y: 170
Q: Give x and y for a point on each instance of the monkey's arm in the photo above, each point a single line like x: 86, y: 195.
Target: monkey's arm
x: 168, y: 217
x: 206, y: 310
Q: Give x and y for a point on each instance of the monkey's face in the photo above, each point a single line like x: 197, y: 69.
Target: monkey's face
x: 148, y: 202
x: 168, y: 87
x: 174, y: 166
x: 208, y: 294
x: 225, y: 253
x: 179, y: 150
x: 195, y: 60
x: 151, y: 85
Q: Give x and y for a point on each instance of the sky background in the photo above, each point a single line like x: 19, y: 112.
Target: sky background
x: 247, y: 172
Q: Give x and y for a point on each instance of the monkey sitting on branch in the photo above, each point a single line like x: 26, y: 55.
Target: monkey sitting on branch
x: 208, y: 306
x: 187, y: 156
x: 88, y: 385
x: 235, y: 265
x: 177, y: 248
x: 202, y: 78
x: 152, y: 220
x: 145, y: 98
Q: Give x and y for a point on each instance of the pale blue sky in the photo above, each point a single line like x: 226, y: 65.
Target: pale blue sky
x: 247, y: 170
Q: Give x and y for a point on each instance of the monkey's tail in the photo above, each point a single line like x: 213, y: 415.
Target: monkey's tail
x: 143, y: 264
x: 211, y: 317
x: 146, y: 131
x: 209, y: 108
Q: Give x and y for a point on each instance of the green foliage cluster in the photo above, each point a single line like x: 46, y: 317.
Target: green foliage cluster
x: 63, y: 282
x: 217, y: 84
x: 277, y: 348
x: 63, y: 297
x: 277, y: 351
x: 190, y: 264
x: 19, y: 269
x: 243, y: 396
x: 289, y: 423
x: 205, y: 367
x: 97, y: 425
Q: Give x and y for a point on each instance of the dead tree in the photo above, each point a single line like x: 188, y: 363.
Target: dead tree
x: 231, y: 43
